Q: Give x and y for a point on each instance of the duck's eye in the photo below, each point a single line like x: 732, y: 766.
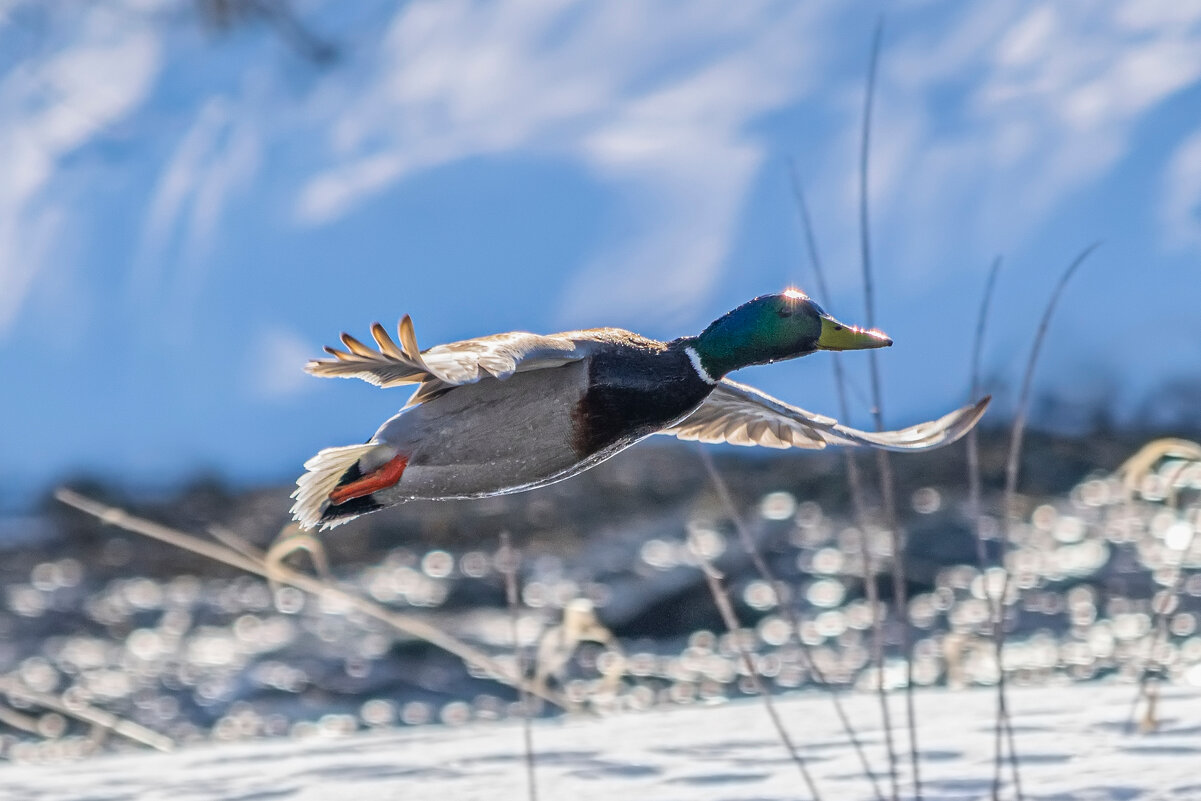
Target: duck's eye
x: 784, y: 312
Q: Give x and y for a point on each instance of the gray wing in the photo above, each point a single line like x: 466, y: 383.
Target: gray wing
x: 742, y: 415
x: 444, y: 366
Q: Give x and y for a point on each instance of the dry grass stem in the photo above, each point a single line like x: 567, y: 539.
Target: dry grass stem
x: 783, y: 598
x: 883, y: 463
x: 1011, y: 480
x: 972, y: 439
x: 1004, y: 721
x: 16, y: 720
x: 509, y: 559
x: 251, y: 561
x: 1183, y: 453
x: 871, y: 586
x: 293, y: 539
x: 89, y: 714
x: 726, y: 609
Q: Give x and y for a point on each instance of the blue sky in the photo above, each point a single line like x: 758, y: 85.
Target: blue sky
x: 188, y: 215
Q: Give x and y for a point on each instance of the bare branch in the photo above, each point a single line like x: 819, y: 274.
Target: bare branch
x: 509, y: 564
x: 883, y: 462
x: 1011, y: 481
x: 726, y: 609
x: 871, y: 586
x: 89, y: 714
x: 254, y: 562
x: 783, y: 598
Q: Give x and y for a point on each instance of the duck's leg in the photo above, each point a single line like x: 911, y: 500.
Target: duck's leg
x: 382, y: 477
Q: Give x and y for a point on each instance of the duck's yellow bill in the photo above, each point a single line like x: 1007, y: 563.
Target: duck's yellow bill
x: 836, y: 336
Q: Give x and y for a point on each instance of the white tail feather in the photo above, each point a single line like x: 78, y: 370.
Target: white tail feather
x: 324, y: 471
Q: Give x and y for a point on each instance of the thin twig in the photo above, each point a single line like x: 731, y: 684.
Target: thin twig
x: 16, y: 720
x: 1149, y: 672
x: 783, y: 598
x: 726, y: 609
x: 89, y: 714
x: 1148, y: 676
x: 1004, y: 721
x: 871, y: 585
x: 883, y: 463
x: 509, y: 563
x: 253, y: 562
x: 1011, y: 482
x: 972, y: 439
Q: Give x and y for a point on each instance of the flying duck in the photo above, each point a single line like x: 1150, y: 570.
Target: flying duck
x: 516, y: 411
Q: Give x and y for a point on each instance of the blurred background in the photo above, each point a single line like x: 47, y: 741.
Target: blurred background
x: 198, y: 195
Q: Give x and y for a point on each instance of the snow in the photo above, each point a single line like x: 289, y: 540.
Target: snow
x: 1071, y: 740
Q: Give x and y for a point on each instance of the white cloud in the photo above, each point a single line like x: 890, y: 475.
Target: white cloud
x: 988, y: 118
x: 654, y: 99
x: 274, y: 362
x: 1028, y: 40
x: 1180, y: 208
x: 218, y: 155
x: 680, y: 149
x: 1156, y: 15
x: 96, y: 73
x: 177, y: 182
x: 337, y: 190
x: 992, y: 118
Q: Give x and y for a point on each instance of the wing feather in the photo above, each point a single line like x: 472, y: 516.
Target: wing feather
x: 442, y: 367
x: 742, y: 415
x: 387, y: 346
x: 357, y: 348
x: 408, y: 338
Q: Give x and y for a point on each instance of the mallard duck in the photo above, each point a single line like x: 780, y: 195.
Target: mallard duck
x: 517, y: 411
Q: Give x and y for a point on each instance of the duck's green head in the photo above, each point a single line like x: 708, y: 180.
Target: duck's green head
x: 775, y: 327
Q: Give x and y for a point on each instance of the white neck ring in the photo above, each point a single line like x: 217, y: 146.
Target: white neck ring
x: 695, y: 358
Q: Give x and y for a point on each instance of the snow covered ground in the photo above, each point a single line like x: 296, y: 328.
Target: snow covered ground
x: 1070, y: 739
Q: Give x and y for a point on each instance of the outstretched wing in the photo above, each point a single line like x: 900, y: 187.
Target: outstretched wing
x: 742, y: 415
x: 444, y: 366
